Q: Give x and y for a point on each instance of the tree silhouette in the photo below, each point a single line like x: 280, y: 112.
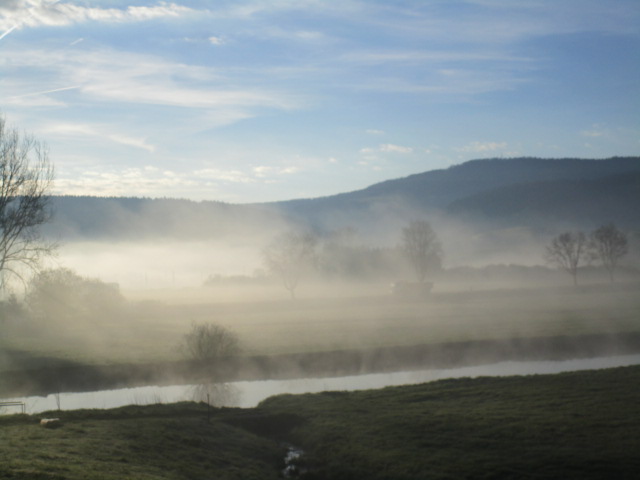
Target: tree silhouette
x: 25, y: 178
x: 607, y: 244
x: 289, y: 255
x: 422, y: 247
x: 566, y: 251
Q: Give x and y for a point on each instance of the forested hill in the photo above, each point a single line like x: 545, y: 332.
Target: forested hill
x: 506, y: 192
x: 132, y: 218
x: 540, y: 194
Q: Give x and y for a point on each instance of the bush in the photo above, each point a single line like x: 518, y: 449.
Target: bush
x: 61, y: 294
x: 207, y: 342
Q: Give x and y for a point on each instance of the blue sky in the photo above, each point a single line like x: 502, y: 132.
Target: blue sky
x: 245, y: 101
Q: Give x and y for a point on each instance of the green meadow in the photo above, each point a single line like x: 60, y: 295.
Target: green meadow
x: 580, y: 425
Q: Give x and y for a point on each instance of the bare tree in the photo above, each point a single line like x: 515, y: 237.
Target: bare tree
x: 25, y: 179
x: 208, y: 342
x: 607, y: 244
x: 422, y: 247
x: 567, y: 251
x: 210, y: 347
x: 289, y: 256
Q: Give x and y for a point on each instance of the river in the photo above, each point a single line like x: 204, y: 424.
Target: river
x: 249, y: 393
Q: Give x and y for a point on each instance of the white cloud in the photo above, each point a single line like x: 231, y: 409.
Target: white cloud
x: 34, y: 13
x: 595, y: 131
x: 263, y: 171
x: 482, y: 147
x: 233, y: 176
x: 390, y: 147
x: 130, y: 181
x: 217, y: 40
x: 386, y: 148
x: 107, y: 75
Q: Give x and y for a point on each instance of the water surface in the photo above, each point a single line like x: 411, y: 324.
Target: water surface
x: 249, y: 393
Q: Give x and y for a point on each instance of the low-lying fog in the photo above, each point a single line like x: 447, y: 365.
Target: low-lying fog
x: 159, y: 265
x: 247, y: 394
x: 133, y: 302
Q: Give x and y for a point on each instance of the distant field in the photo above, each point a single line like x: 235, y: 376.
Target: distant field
x: 150, y: 328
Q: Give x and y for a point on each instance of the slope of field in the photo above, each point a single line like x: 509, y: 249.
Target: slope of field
x: 580, y: 425
x: 573, y: 425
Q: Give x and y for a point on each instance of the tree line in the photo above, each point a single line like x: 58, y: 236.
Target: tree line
x: 26, y: 176
x: 292, y: 254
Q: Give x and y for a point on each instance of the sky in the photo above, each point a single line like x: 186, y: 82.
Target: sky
x: 250, y: 101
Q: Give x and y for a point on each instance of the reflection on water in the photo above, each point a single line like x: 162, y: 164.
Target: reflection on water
x: 250, y: 393
x: 216, y: 394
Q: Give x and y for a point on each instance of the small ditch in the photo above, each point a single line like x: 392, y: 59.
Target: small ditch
x: 292, y: 468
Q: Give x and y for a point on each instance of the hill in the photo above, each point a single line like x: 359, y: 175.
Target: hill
x: 529, y: 192
x: 585, y: 202
x: 513, y: 192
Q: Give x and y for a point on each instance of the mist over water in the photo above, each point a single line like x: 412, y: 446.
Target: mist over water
x: 247, y: 394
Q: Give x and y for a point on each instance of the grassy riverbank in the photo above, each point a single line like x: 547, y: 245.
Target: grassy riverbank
x: 576, y: 425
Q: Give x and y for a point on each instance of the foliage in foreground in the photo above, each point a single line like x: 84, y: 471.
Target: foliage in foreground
x: 156, y: 442
x: 576, y: 425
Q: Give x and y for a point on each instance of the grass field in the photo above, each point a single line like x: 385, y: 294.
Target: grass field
x: 150, y: 328
x: 581, y: 425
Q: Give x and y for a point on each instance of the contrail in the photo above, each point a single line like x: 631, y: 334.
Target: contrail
x: 29, y: 13
x: 46, y: 91
x: 8, y: 32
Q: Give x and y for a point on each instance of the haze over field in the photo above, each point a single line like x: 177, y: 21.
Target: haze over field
x: 484, y: 212
x: 315, y: 176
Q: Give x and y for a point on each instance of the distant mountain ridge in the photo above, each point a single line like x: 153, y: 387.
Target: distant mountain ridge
x: 484, y: 187
x: 520, y: 191
x: 437, y: 188
x: 590, y: 202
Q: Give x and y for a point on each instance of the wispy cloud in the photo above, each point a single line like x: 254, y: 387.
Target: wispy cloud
x: 108, y: 75
x: 125, y: 182
x: 482, y: 147
x: 263, y: 171
x: 386, y: 148
x: 45, y: 92
x: 98, y: 132
x: 213, y: 40
x: 390, y: 147
x: 595, y: 131
x: 34, y: 13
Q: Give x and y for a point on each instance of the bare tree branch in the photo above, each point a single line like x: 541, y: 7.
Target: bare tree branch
x: 289, y: 255
x: 26, y: 176
x: 422, y: 247
x: 608, y: 244
x: 567, y: 251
